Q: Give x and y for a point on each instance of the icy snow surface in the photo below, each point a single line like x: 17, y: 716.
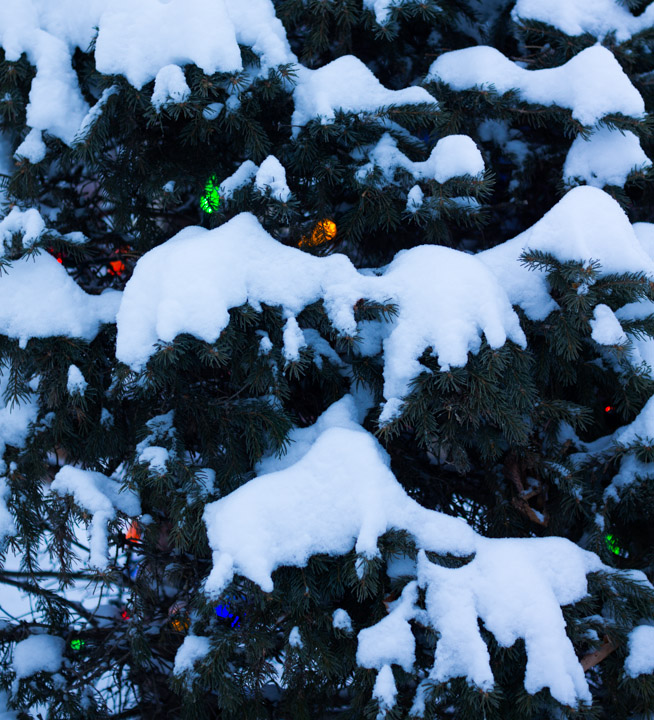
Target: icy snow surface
x: 592, y: 84
x: 606, y: 158
x: 100, y: 496
x: 193, y: 649
x: 640, y: 660
x: 576, y: 17
x: 345, y: 84
x: 39, y: 299
x: 585, y: 224
x: 453, y: 156
x: 39, y: 653
x: 336, y: 492
x: 239, y: 262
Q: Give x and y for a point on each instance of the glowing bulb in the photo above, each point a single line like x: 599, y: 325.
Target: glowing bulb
x: 323, y: 232
x: 77, y: 643
x: 210, y: 201
x: 608, y: 408
x: 612, y: 545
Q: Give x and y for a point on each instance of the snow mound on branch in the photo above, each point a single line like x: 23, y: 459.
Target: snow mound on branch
x: 446, y: 298
x: 136, y: 43
x: 28, y: 222
x: 345, y: 84
x: 640, y: 660
x: 100, y: 496
x: 38, y: 653
x: 76, y: 384
x: 606, y: 158
x: 204, y: 32
x: 585, y: 224
x: 453, y: 156
x: 170, y: 87
x: 271, y: 175
x: 338, y: 493
x: 221, y: 269
x: 645, y: 234
x: 39, y: 299
x: 605, y: 326
x: 32, y: 148
x: 577, y: 17
x: 592, y: 84
x: 192, y: 650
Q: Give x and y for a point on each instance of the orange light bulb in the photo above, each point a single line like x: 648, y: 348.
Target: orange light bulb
x: 323, y: 232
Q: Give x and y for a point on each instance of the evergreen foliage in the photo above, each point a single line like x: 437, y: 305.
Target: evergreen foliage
x: 521, y: 442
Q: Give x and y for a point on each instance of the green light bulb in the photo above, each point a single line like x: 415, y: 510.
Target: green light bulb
x: 210, y: 201
x: 77, y: 644
x: 612, y: 545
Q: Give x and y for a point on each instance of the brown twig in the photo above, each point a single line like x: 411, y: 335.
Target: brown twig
x: 596, y: 657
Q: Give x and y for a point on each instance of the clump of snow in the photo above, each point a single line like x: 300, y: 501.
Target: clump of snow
x: 170, y: 87
x: 345, y: 84
x: 453, y: 156
x: 586, y: 223
x: 640, y: 660
x: 592, y: 84
x: 206, y: 33
x: 76, y: 383
x: 39, y: 299
x: 414, y: 199
x: 341, y: 620
x: 645, y: 234
x: 463, y: 297
x: 606, y: 328
x: 160, y: 430
x: 28, y: 222
x: 192, y: 650
x: 38, y: 653
x: 271, y: 175
x: 241, y: 177
x: 336, y: 490
x: 295, y: 639
x: 239, y: 262
x: 577, y: 17
x: 382, y: 8
x: 100, y: 496
x: 385, y: 690
x: 32, y: 148
x: 7, y: 526
x: 606, y: 158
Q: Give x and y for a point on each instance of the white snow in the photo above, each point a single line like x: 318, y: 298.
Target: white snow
x: 39, y: 299
x: 170, y: 87
x: 336, y: 491
x: 382, y: 8
x: 100, y: 496
x: 592, y: 84
x: 606, y: 158
x: 640, y: 660
x: 28, y: 222
x: 193, y: 649
x: 160, y: 430
x: 241, y: 177
x: 7, y: 526
x: 76, y: 383
x: 586, y: 223
x: 384, y: 690
x: 295, y: 639
x: 414, y: 199
x: 345, y: 84
x: 341, y: 620
x: 271, y: 175
x: 606, y: 328
x: 446, y: 299
x: 15, y: 420
x: 577, y: 17
x: 38, y: 653
x: 32, y: 148
x: 453, y: 156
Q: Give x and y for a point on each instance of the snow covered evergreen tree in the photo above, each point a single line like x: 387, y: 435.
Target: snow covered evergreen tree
x: 326, y: 350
